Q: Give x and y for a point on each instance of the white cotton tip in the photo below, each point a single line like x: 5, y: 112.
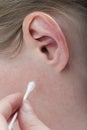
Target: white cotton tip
x: 30, y: 88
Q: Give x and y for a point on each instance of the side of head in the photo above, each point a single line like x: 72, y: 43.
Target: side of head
x: 69, y: 16
x: 45, y: 41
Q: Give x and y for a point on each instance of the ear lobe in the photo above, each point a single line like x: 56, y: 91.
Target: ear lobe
x: 49, y: 38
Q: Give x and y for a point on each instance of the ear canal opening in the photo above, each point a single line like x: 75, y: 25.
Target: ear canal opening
x: 44, y: 50
x: 49, y: 47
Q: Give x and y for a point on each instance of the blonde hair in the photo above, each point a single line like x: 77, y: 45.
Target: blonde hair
x: 13, y: 12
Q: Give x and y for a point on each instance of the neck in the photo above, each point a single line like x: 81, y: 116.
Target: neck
x: 72, y: 99
x: 73, y: 112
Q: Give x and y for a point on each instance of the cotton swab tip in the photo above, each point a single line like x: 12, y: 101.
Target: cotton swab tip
x: 31, y: 86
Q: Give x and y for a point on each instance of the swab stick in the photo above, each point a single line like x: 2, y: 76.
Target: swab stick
x: 30, y: 88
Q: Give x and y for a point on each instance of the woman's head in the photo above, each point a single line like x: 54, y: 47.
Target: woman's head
x: 45, y: 41
x: 12, y: 14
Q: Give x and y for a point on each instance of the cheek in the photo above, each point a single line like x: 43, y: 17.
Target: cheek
x: 11, y: 82
x: 15, y: 76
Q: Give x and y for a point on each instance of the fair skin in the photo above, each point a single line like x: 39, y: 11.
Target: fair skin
x: 10, y: 104
x: 59, y: 100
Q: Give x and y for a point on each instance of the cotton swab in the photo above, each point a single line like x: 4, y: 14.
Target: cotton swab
x: 30, y: 88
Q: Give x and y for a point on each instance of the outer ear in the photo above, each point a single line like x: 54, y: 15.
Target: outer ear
x: 47, y: 35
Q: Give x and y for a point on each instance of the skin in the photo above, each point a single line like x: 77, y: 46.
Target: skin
x: 13, y: 102
x: 59, y: 100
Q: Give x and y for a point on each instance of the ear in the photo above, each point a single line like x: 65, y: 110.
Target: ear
x: 47, y: 35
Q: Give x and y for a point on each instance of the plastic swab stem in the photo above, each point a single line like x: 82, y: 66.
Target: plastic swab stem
x: 30, y: 88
